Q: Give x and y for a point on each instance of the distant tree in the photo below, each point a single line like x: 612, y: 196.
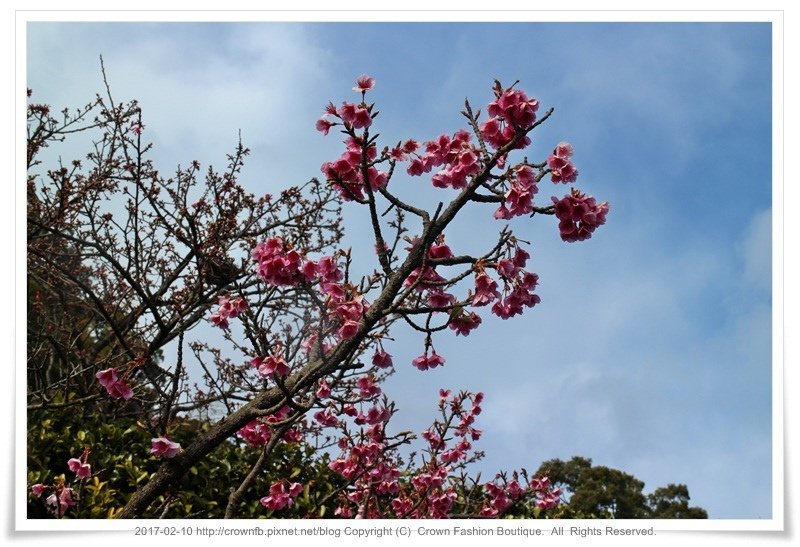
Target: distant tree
x: 602, y: 492
x: 672, y: 502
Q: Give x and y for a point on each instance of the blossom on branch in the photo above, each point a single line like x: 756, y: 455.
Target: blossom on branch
x: 162, y: 447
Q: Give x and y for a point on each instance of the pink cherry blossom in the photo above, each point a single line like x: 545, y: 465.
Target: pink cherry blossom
x: 560, y: 164
x: 162, y: 447
x: 355, y: 115
x: 364, y: 83
x: 367, y: 388
x: 485, y: 290
x: 324, y: 390
x: 61, y: 500
x: 425, y: 361
x: 227, y: 308
x: 464, y: 323
x: 81, y: 469
x: 324, y: 125
x: 280, y: 496
x: 255, y: 433
x: 106, y: 377
x: 325, y: 418
x: 120, y: 390
x: 579, y: 215
x: 270, y: 366
x: 381, y: 359
x: 437, y: 298
x: 116, y: 387
x: 521, y: 257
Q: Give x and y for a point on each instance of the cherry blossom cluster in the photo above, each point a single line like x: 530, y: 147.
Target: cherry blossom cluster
x: 518, y: 284
x: 349, y: 314
x: 501, y: 497
x: 346, y: 173
x: 369, y: 467
x: 163, y: 447
x: 277, y: 264
x: 351, y: 115
x: 426, y: 278
x: 382, y: 359
x: 547, y: 497
x: 510, y: 112
x: 79, y: 466
x: 519, y: 198
x: 62, y: 498
x: 282, y: 266
x: 579, y: 215
x: 428, y: 360
x: 431, y: 486
x: 116, y: 387
x: 281, y: 495
x: 560, y: 163
x: 430, y: 494
x: 353, y: 171
x: 271, y: 365
x: 459, y: 158
x: 228, y: 308
x: 259, y: 431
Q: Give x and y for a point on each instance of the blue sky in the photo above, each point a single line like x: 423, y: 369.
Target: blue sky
x: 651, y: 349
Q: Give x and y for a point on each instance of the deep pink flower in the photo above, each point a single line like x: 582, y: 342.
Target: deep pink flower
x: 219, y: 320
x: 162, y: 447
x: 502, y: 213
x: 325, y: 418
x: 82, y: 470
x: 364, y: 83
x: 107, y: 377
x: 116, y: 387
x: 437, y: 298
x: 38, y: 489
x: 507, y: 269
x: 356, y: 115
x: 521, y: 257
x: 485, y: 290
x: 324, y: 390
x: 440, y: 251
x: 255, y: 433
x: 270, y: 366
x: 579, y: 215
x: 324, y: 125
x: 381, y: 359
x: 367, y: 388
x: 416, y: 167
x: 464, y: 323
x: 348, y: 329
x: 120, y: 390
x: 61, y: 500
x: 560, y: 163
x: 280, y: 496
x: 425, y: 361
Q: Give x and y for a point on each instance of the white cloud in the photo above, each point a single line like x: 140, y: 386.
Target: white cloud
x: 756, y: 251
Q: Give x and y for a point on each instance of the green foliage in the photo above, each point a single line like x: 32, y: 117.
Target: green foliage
x: 121, y: 462
x: 603, y: 492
